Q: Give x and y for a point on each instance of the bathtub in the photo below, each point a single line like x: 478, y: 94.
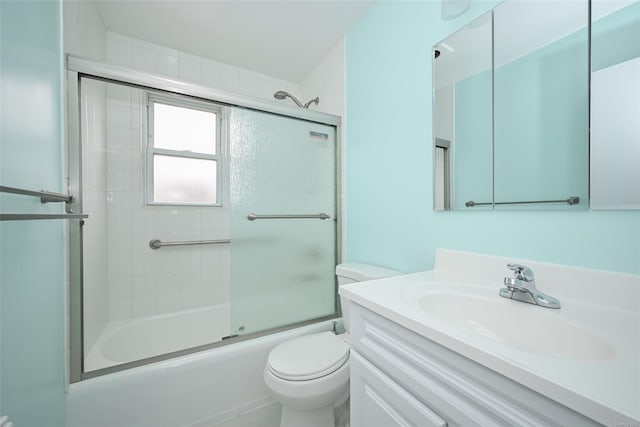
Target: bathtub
x: 221, y: 386
x: 135, y: 339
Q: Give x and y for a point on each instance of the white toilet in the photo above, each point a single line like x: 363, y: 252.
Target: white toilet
x: 309, y: 375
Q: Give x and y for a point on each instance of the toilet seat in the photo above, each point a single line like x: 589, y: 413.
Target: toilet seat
x: 308, y: 357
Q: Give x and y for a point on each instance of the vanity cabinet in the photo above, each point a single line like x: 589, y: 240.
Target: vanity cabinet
x: 401, y: 378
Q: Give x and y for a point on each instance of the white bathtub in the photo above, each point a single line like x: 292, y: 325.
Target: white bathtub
x: 221, y: 387
x: 135, y: 339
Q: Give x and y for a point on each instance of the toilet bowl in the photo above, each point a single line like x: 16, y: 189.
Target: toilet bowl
x: 309, y: 375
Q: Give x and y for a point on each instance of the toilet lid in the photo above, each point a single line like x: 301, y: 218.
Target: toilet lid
x: 308, y: 357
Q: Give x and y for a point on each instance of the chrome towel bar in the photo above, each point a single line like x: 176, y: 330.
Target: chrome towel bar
x: 45, y: 196
x: 23, y: 217
x: 573, y: 200
x: 157, y: 244
x: 253, y: 217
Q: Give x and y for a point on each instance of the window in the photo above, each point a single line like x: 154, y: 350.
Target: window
x: 183, y: 152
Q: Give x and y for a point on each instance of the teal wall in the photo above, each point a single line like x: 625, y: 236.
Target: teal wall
x: 389, y: 173
x: 31, y: 252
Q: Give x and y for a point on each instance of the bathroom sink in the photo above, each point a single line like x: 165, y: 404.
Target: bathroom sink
x: 583, y: 355
x: 523, y: 327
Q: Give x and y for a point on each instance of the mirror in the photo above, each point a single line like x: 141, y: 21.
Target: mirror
x: 521, y: 142
x: 541, y: 105
x: 462, y: 85
x: 615, y: 105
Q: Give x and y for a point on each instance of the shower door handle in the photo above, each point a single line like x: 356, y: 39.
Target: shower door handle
x: 157, y: 244
x: 323, y: 216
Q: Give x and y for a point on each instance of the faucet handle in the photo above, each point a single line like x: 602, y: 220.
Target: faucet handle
x: 522, y: 272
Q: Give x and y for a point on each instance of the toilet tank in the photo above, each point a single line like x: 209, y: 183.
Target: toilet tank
x: 352, y: 272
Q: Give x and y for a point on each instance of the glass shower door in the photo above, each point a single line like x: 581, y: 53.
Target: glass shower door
x: 282, y: 267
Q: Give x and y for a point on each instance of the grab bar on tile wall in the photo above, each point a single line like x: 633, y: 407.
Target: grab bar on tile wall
x: 45, y: 197
x: 573, y: 200
x: 157, y: 244
x: 253, y: 217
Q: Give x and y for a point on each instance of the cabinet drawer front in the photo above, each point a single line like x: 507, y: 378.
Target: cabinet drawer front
x: 459, y: 389
x: 383, y: 403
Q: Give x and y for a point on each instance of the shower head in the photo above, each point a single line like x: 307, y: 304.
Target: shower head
x: 281, y: 94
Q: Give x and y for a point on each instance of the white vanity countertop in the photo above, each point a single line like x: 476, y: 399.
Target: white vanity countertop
x: 586, y: 355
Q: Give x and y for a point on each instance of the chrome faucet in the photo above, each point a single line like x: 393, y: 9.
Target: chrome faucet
x: 523, y: 288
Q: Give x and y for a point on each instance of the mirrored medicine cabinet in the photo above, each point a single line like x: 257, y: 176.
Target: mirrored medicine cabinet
x: 511, y: 113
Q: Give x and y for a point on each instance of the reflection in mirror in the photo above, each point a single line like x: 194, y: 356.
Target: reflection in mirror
x: 541, y: 92
x: 462, y: 117
x: 615, y: 105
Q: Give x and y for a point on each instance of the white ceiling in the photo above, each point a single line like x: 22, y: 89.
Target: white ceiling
x: 283, y: 39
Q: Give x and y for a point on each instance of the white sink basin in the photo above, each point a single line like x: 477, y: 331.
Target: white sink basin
x: 584, y: 355
x: 521, y: 326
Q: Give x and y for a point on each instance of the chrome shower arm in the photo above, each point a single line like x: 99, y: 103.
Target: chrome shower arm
x: 281, y: 94
x: 313, y: 101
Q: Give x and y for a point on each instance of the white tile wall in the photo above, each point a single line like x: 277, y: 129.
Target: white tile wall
x: 94, y: 179
x: 142, y: 281
x: 118, y: 49
x: 141, y: 55
x: 84, y: 32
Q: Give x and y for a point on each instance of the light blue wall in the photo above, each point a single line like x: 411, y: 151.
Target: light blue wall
x: 389, y: 174
x: 31, y: 252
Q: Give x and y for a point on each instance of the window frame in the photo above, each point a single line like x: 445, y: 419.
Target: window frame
x: 151, y: 151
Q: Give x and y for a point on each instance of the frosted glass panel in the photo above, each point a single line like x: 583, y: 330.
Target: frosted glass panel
x: 184, y: 129
x: 184, y: 180
x: 282, y: 270
x: 32, y: 254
